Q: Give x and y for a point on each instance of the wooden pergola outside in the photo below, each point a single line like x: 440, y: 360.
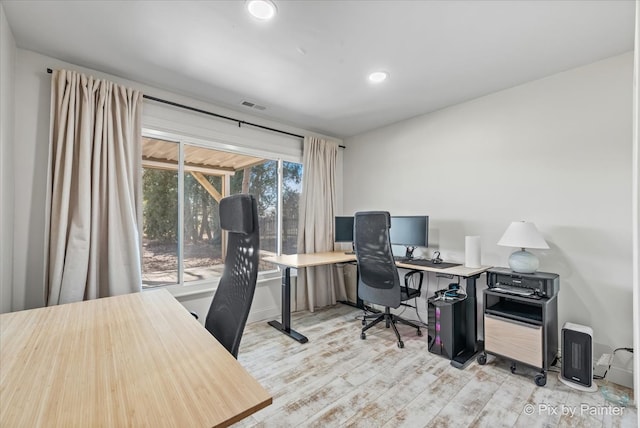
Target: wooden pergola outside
x: 199, y: 161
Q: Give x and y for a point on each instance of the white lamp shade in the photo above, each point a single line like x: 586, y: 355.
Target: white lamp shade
x: 523, y: 234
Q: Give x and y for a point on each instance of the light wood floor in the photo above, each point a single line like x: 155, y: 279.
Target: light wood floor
x: 339, y: 380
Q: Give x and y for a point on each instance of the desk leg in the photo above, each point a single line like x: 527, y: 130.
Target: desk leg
x: 359, y: 302
x: 285, y: 326
x: 461, y: 360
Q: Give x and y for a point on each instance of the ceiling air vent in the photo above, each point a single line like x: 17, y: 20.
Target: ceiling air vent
x: 253, y: 105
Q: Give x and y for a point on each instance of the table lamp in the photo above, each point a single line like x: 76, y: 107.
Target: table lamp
x: 523, y: 234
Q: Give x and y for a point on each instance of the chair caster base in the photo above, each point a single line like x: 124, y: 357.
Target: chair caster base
x: 540, y: 379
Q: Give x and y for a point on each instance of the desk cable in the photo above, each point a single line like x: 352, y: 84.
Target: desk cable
x: 415, y: 305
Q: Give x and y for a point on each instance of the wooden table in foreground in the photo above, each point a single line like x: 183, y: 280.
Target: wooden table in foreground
x: 134, y: 360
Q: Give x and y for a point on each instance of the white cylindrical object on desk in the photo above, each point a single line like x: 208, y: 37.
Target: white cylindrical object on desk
x: 472, y: 251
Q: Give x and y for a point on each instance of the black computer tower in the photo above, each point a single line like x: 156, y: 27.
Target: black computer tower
x: 446, y: 320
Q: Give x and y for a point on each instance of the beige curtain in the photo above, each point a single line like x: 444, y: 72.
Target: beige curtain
x: 317, y: 285
x: 95, y: 183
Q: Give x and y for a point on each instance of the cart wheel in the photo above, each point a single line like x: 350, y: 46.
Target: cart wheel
x: 513, y: 367
x: 540, y: 379
x: 363, y: 336
x: 482, y: 359
x: 400, y: 344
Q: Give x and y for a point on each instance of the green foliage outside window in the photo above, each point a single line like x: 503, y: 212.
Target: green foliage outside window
x: 201, y: 221
x: 160, y: 190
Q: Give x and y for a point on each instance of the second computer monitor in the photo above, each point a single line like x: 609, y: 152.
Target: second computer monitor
x: 343, y: 229
x: 409, y: 231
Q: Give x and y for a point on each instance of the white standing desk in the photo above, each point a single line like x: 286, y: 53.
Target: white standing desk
x: 134, y: 360
x: 332, y: 257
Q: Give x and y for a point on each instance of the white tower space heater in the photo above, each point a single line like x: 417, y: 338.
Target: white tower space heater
x: 576, y: 344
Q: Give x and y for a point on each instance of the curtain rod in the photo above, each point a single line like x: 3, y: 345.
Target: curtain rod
x: 240, y: 122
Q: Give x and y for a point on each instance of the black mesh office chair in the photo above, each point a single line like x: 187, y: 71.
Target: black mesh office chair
x: 379, y: 282
x: 231, y: 304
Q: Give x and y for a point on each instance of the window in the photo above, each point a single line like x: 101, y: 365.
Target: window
x: 182, y: 187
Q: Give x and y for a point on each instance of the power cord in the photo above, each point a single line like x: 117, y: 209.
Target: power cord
x: 424, y: 324
x: 611, y: 361
x: 556, y: 367
x: 426, y: 304
x: 620, y: 399
x: 452, y: 292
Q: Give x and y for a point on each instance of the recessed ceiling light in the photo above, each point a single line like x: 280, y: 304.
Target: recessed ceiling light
x: 263, y: 10
x: 378, y: 76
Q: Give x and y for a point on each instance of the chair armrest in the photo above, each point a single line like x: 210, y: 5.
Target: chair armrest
x: 409, y: 275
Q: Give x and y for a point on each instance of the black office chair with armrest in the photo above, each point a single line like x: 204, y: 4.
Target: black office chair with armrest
x: 379, y: 282
x: 231, y: 303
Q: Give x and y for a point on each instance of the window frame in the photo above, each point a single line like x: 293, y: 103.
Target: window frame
x: 182, y: 139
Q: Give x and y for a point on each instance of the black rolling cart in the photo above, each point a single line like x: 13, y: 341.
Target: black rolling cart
x: 521, y: 319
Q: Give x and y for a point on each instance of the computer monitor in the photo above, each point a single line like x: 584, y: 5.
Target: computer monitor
x: 343, y: 231
x: 410, y: 232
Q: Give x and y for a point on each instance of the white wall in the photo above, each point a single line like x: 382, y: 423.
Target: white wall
x: 32, y: 89
x: 7, y: 61
x: 555, y: 151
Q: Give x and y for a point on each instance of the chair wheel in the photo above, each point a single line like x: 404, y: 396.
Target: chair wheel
x: 363, y: 336
x: 513, y: 367
x: 419, y: 332
x: 482, y: 359
x: 364, y: 322
x: 400, y: 344
x: 540, y: 379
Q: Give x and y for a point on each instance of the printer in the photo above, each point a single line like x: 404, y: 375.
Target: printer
x: 534, y: 285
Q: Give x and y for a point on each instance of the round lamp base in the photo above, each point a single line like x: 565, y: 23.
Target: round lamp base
x: 523, y: 262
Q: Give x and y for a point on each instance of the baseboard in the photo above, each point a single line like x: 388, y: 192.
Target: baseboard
x: 620, y: 376
x: 264, y: 314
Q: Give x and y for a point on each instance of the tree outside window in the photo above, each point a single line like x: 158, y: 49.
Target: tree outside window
x: 208, y: 176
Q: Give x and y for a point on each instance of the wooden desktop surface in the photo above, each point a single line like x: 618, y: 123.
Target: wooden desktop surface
x: 311, y: 259
x: 134, y: 360
x: 460, y: 270
x: 332, y: 257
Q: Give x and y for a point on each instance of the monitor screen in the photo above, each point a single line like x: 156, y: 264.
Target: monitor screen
x: 410, y: 231
x: 344, y: 229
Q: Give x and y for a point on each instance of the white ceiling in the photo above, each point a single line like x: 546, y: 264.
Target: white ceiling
x: 308, y: 66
